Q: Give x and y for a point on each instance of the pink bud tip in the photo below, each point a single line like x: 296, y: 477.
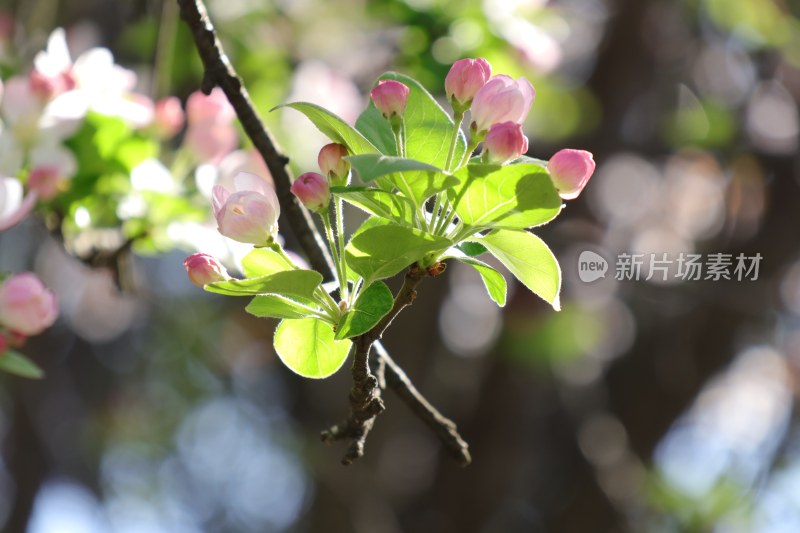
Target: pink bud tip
x: 504, y: 142
x: 26, y: 306
x: 502, y: 99
x: 204, y: 268
x: 312, y: 190
x: 169, y: 117
x: 390, y: 97
x: 333, y: 164
x: 570, y: 171
x: 465, y: 78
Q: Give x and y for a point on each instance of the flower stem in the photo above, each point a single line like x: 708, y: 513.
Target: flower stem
x: 326, y: 221
x: 459, y: 117
x: 339, y: 213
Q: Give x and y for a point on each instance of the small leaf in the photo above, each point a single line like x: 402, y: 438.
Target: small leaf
x: 277, y: 306
x: 372, y: 166
x: 472, y: 249
x: 428, y: 126
x: 299, y: 284
x: 264, y: 262
x: 509, y: 197
x: 493, y: 280
x: 370, y: 307
x: 383, y: 251
x: 307, y: 346
x: 529, y: 259
x: 382, y: 204
x: 334, y: 127
x: 16, y: 363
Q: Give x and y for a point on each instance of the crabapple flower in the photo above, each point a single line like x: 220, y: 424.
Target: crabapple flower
x: 465, y: 78
x: 250, y: 213
x: 26, y: 306
x: 570, y: 171
x: 504, y: 142
x: 210, y: 135
x: 390, y: 97
x: 203, y: 269
x: 312, y: 190
x: 332, y: 162
x: 502, y: 99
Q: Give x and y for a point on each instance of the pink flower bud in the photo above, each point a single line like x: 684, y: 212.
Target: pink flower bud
x: 332, y: 163
x: 570, y: 170
x: 465, y: 78
x: 504, y: 142
x: 169, y: 117
x: 312, y: 190
x: 502, y: 99
x: 203, y: 269
x: 250, y: 213
x: 26, y: 306
x: 210, y: 135
x: 390, y: 97
x: 203, y: 109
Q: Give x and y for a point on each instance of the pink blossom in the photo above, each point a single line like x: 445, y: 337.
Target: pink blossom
x: 465, y: 78
x: 504, y: 142
x: 312, y: 190
x: 570, y: 171
x: 502, y: 99
x: 210, y: 135
x: 169, y: 117
x: 390, y: 97
x: 26, y: 306
x: 45, y: 181
x: 250, y: 213
x: 332, y: 162
x: 203, y: 269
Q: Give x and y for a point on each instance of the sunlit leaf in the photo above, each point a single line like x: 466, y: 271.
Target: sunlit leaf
x: 372, y: 305
x: 307, y: 346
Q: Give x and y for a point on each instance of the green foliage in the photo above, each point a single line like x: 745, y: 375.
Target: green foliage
x: 307, y: 346
x: 16, y: 363
x: 529, y: 259
x: 372, y: 305
x: 279, y: 306
x: 511, y: 197
x: 384, y: 251
x: 493, y: 280
x: 334, y: 127
x: 291, y: 283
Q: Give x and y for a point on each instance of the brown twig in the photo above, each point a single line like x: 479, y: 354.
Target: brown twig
x: 365, y: 402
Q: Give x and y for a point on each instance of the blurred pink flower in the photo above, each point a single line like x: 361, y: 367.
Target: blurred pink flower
x: 13, y: 208
x: 169, y: 117
x: 390, y: 97
x: 26, y: 306
x: 203, y: 268
x: 504, y: 142
x: 502, y: 99
x: 465, y: 78
x: 570, y: 171
x: 312, y: 190
x: 210, y: 135
x: 250, y: 213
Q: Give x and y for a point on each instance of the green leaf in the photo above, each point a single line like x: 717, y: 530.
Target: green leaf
x: 16, y: 363
x: 264, y: 262
x: 383, y: 251
x: 382, y: 204
x: 307, y: 346
x: 428, y: 126
x: 334, y: 127
x: 493, y: 280
x: 370, y: 307
x: 299, y: 284
x: 277, y: 306
x: 510, y: 197
x: 529, y: 259
x: 472, y: 249
x: 372, y: 166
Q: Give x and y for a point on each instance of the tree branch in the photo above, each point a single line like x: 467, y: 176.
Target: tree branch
x: 365, y: 398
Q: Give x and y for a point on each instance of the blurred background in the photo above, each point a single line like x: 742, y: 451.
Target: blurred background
x: 642, y: 406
